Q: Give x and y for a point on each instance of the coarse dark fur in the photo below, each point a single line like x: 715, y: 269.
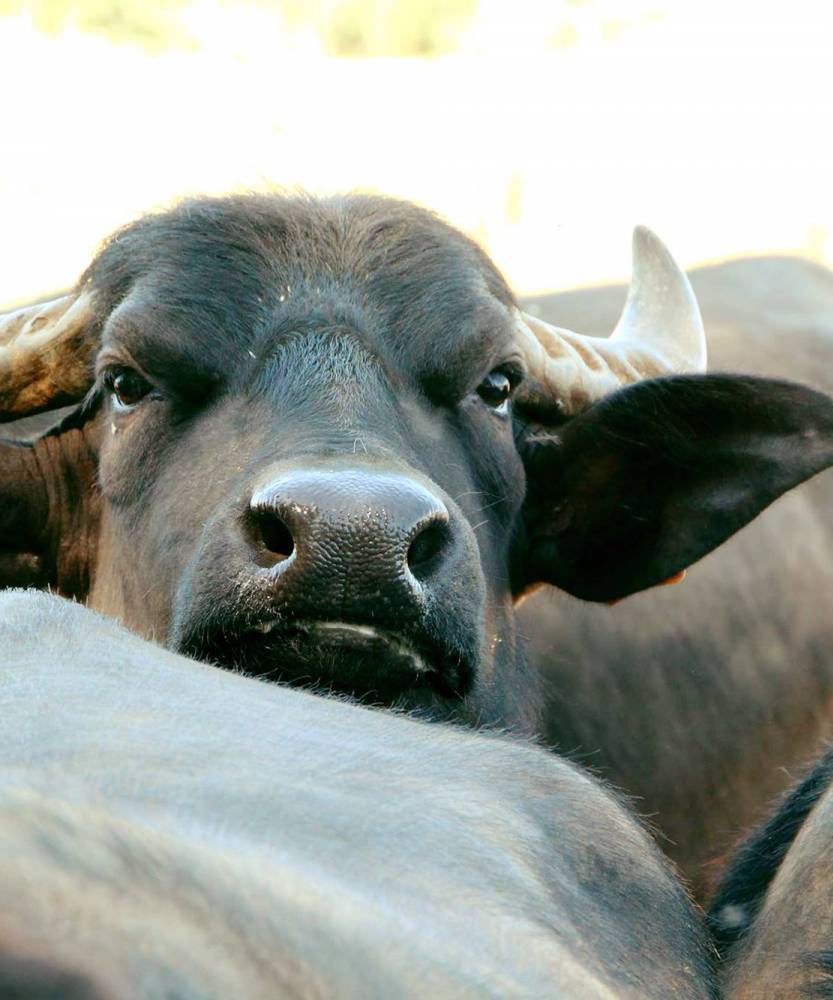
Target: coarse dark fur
x: 772, y: 918
x: 179, y: 831
x: 758, y: 858
x: 282, y: 336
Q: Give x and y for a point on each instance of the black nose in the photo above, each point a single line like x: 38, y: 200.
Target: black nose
x: 338, y: 539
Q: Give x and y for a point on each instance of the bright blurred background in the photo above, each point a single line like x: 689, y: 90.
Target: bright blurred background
x: 545, y: 128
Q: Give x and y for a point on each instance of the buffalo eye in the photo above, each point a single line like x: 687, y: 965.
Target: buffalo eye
x: 128, y: 387
x: 496, y: 389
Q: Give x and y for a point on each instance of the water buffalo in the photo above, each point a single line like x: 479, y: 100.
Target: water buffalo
x: 316, y: 440
x: 772, y: 917
x: 702, y: 699
x: 171, y: 829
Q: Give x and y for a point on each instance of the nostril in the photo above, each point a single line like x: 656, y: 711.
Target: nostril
x: 426, y: 547
x: 274, y: 534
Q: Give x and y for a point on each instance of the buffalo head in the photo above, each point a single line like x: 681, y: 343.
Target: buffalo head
x: 318, y: 441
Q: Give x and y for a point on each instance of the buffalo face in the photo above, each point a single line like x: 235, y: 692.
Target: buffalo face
x: 312, y: 523
x: 320, y: 444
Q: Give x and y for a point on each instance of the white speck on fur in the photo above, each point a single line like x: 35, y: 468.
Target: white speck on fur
x: 732, y: 916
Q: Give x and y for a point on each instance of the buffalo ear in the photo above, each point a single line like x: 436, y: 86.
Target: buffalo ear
x: 49, y: 507
x: 656, y: 475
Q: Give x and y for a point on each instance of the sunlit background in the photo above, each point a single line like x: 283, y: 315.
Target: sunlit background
x: 545, y: 128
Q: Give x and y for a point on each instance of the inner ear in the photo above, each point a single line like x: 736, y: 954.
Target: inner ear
x: 49, y: 503
x: 649, y: 480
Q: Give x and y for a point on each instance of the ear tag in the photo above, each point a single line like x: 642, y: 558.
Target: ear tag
x: 676, y: 578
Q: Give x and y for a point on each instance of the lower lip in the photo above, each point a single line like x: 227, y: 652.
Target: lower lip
x: 363, y: 635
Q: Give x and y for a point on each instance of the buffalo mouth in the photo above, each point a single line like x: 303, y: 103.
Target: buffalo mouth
x: 374, y: 665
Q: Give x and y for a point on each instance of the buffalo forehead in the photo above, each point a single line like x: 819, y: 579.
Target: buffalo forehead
x: 214, y: 283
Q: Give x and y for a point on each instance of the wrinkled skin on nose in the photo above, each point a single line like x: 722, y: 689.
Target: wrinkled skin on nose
x: 356, y: 567
x: 343, y: 543
x: 349, y: 575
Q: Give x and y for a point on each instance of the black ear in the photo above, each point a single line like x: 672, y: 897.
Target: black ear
x: 49, y: 507
x: 656, y: 475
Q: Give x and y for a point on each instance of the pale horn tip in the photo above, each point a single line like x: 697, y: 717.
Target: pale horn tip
x: 661, y: 306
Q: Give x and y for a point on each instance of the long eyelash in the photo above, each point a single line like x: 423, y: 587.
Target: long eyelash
x: 94, y: 395
x: 96, y: 391
x: 515, y: 374
x: 108, y: 372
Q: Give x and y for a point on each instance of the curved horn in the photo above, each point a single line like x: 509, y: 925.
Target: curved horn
x: 45, y: 353
x: 660, y: 332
